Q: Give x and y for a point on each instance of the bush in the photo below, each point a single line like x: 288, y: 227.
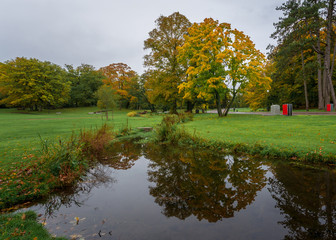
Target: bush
x: 132, y: 114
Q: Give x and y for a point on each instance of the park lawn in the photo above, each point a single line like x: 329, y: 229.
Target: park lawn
x: 20, y: 131
x: 301, y: 134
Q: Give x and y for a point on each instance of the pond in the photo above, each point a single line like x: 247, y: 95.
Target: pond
x: 159, y: 192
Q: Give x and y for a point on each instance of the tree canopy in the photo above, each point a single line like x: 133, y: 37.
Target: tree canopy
x: 121, y: 78
x: 164, y: 72
x: 220, y: 60
x: 31, y: 83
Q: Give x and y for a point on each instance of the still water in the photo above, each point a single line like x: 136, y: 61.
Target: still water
x: 155, y: 192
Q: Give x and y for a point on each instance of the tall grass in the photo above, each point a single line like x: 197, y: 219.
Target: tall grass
x: 94, y: 142
x: 60, y: 164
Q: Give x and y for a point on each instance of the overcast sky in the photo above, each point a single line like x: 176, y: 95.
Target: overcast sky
x: 101, y: 32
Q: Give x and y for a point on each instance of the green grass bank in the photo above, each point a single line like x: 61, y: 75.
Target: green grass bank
x: 295, y: 136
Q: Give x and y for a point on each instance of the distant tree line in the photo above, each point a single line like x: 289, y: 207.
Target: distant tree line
x: 36, y: 85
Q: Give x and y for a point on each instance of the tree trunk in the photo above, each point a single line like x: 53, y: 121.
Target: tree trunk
x: 304, y: 82
x: 319, y: 74
x: 106, y: 114
x: 229, y: 105
x: 331, y: 86
x: 190, y: 106
x: 328, y: 82
x: 173, y: 109
x: 325, y: 88
x: 218, y: 103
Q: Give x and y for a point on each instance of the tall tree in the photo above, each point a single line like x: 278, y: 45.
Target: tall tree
x: 107, y: 99
x: 220, y: 60
x: 33, y: 83
x: 85, y: 81
x: 307, y: 27
x: 123, y: 80
x: 164, y: 71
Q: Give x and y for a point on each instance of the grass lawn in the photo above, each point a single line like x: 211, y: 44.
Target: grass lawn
x: 301, y: 134
x: 20, y: 131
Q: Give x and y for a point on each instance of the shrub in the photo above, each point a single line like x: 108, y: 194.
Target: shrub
x: 132, y: 114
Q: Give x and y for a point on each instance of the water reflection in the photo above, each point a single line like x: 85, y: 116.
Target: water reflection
x: 144, y: 191
x: 202, y: 184
x: 307, y: 199
x: 78, y: 194
x: 123, y: 157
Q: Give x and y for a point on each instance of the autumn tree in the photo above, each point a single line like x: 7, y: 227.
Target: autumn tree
x: 220, y: 60
x: 123, y: 80
x: 257, y: 91
x: 165, y: 73
x: 85, y: 81
x: 107, y: 99
x: 33, y: 83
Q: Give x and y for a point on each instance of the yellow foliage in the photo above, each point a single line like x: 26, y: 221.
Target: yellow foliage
x: 132, y: 114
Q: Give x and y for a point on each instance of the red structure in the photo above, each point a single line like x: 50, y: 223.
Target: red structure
x: 285, y: 109
x: 329, y: 107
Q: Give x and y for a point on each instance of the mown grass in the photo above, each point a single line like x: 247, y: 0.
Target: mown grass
x: 302, y: 134
x: 19, y: 132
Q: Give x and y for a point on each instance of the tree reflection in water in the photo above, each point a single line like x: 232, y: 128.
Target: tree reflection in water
x: 307, y: 200
x: 123, y: 156
x: 202, y: 184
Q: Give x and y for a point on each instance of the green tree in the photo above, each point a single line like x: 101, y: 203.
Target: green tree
x: 107, y: 99
x: 307, y: 47
x: 165, y: 73
x: 85, y: 81
x: 33, y: 83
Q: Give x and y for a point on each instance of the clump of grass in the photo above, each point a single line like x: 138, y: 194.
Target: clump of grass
x: 185, y: 117
x: 94, y: 142
x: 64, y: 160
x: 168, y: 130
x: 59, y: 164
x: 23, y: 226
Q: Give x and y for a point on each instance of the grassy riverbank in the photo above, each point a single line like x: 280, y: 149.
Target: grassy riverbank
x: 298, y: 136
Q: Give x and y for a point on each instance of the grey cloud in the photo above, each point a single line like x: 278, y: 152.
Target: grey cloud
x: 101, y: 32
